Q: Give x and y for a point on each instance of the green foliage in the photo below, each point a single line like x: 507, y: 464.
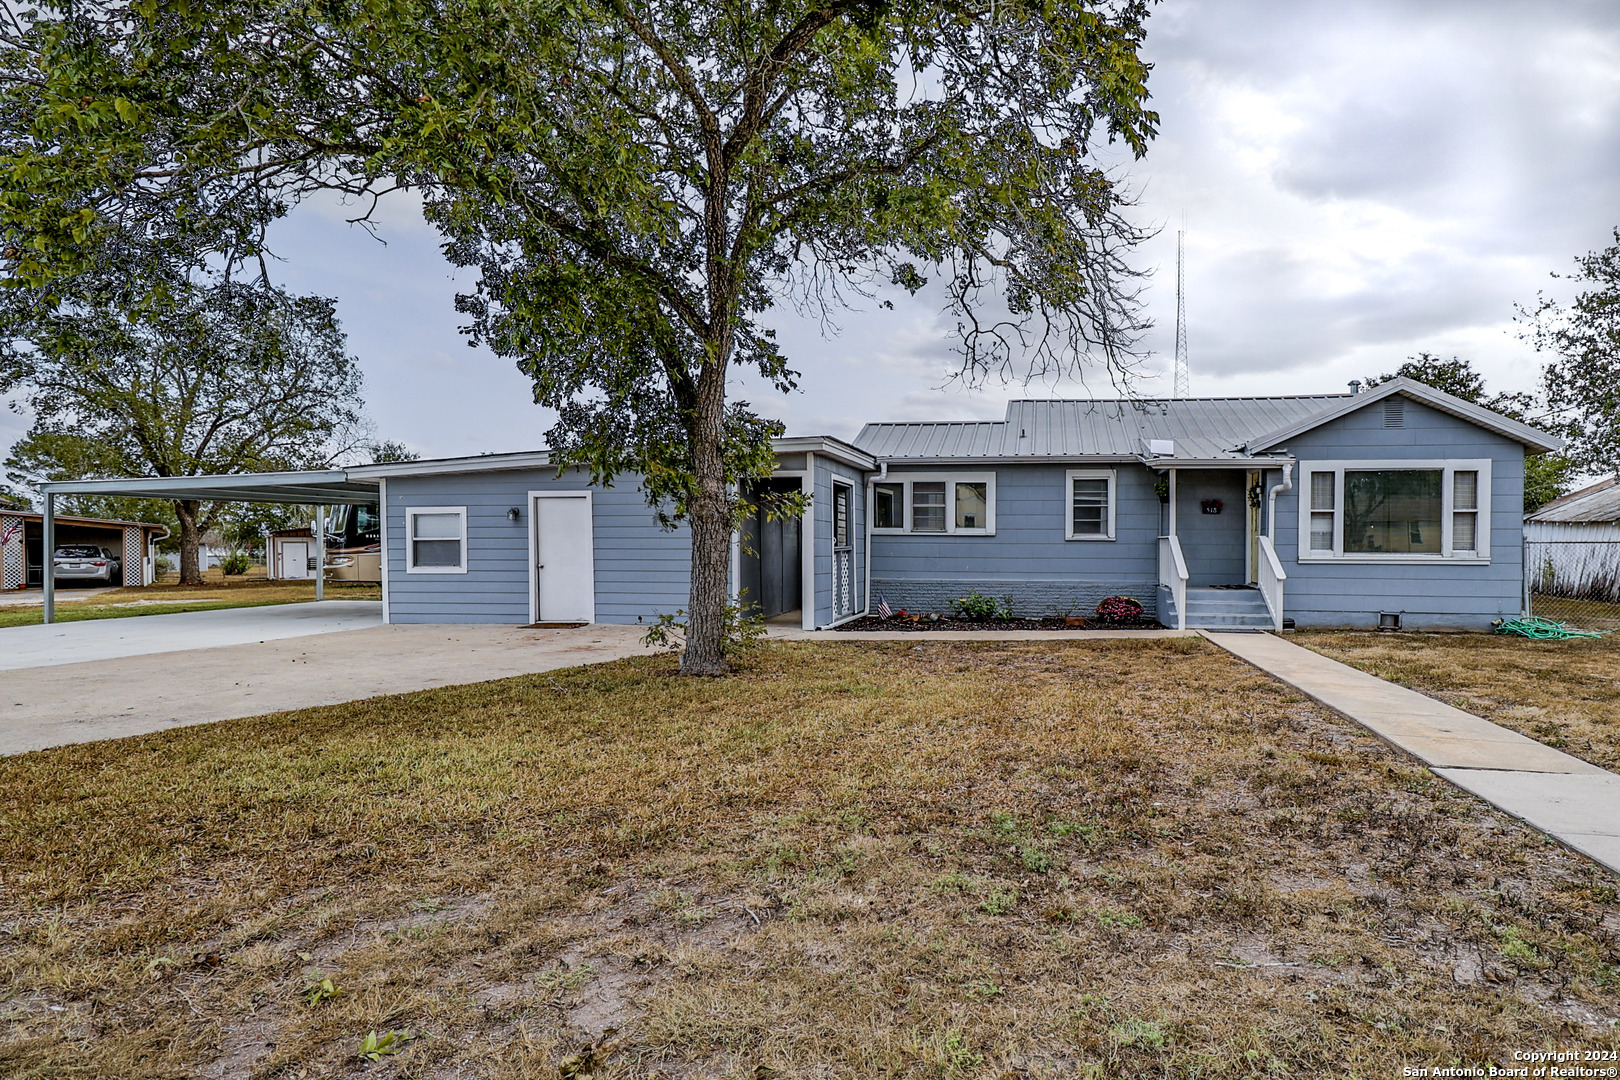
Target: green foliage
x: 637, y: 186
x: 977, y: 607
x: 743, y: 629
x: 1583, y: 382
x: 317, y: 990
x: 999, y: 901
x: 235, y: 564
x: 375, y: 1047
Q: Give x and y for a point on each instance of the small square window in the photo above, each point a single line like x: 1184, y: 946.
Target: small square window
x: 436, y: 540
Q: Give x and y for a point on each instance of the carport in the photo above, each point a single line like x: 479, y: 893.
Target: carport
x: 319, y: 488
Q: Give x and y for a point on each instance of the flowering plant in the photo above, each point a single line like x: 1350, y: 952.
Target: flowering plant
x: 1119, y: 609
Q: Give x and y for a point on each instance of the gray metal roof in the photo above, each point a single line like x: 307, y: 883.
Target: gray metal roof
x: 1202, y: 428
x: 1210, y: 430
x: 324, y: 487
x: 1599, y: 502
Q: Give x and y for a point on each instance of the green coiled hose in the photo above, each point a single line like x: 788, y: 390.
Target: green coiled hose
x: 1545, y: 630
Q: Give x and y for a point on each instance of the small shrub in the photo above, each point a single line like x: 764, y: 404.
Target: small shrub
x: 235, y: 564
x: 1119, y: 609
x: 977, y: 607
x: 742, y: 630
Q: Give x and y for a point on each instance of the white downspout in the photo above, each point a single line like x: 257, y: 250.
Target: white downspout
x: 1286, y: 486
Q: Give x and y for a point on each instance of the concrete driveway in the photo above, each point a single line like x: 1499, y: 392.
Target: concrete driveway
x: 143, y: 635
x: 61, y: 703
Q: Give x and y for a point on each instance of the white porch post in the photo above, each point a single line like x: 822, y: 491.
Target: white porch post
x: 1172, y: 502
x: 320, y: 553
x: 47, y: 556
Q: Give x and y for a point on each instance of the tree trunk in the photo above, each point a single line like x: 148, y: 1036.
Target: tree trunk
x: 186, y: 511
x: 709, y: 513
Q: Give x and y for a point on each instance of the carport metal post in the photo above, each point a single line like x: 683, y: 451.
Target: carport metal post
x: 320, y: 553
x: 47, y: 577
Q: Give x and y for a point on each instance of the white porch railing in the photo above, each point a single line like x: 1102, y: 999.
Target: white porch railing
x: 1173, y: 576
x: 1271, y: 577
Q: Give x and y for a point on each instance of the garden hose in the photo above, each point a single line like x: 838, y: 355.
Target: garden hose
x: 1545, y: 630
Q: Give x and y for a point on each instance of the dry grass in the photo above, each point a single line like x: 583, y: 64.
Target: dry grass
x: 902, y: 860
x: 217, y: 591
x: 1564, y: 693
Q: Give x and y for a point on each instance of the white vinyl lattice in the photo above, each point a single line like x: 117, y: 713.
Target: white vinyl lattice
x: 132, y: 555
x: 12, y: 552
x: 843, y: 588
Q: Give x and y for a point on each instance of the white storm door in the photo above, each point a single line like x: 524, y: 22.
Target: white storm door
x: 565, y: 566
x: 294, y: 560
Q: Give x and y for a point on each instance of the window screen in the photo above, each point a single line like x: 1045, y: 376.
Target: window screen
x: 436, y: 540
x: 928, y: 506
x: 1090, y: 507
x: 840, y: 516
x: 1465, y: 510
x: 1322, y: 511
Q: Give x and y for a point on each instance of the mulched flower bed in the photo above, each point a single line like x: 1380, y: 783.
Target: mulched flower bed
x: 908, y: 623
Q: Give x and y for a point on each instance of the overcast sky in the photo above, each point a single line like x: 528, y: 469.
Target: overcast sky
x: 1361, y: 181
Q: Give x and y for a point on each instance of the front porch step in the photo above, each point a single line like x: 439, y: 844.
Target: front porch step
x: 1226, y: 609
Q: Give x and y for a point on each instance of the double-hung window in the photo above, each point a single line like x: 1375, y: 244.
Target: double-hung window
x: 951, y: 504
x: 436, y: 540
x: 1089, y: 496
x: 1395, y: 511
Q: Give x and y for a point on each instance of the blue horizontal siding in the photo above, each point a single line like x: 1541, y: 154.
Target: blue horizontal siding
x: 642, y: 570
x: 1440, y: 595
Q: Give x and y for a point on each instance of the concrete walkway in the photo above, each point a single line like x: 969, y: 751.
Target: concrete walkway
x: 1570, y: 800
x: 144, y: 635
x: 60, y: 704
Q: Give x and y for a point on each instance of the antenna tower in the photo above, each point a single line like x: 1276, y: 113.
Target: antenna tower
x: 1183, y: 382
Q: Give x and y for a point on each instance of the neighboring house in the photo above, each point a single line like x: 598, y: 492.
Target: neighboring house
x: 22, y: 551
x: 1572, y: 544
x: 1401, y: 506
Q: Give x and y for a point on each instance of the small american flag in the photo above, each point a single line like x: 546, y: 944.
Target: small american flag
x: 10, y: 533
x: 883, y: 608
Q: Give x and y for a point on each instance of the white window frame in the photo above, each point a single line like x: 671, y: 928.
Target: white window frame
x: 1448, y: 467
x: 410, y: 539
x: 1069, y: 477
x: 950, y: 479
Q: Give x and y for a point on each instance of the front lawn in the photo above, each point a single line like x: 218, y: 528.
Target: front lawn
x: 167, y: 599
x: 932, y: 859
x: 1564, y: 693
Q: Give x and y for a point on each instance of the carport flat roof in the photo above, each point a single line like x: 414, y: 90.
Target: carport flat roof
x: 325, y: 487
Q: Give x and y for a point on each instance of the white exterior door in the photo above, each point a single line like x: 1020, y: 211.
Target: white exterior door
x: 294, y: 556
x: 564, y: 561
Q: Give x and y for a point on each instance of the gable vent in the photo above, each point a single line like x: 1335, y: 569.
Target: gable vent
x: 1394, y: 412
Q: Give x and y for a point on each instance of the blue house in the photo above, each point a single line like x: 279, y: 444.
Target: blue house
x: 1401, y: 506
